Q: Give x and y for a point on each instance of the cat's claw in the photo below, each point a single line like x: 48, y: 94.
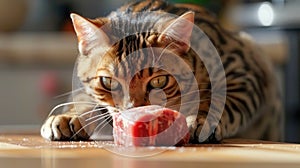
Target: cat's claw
x: 63, y: 127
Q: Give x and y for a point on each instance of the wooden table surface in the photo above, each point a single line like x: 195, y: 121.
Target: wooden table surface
x: 33, y: 151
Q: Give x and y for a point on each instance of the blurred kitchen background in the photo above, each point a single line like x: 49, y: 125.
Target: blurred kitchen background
x: 38, y: 50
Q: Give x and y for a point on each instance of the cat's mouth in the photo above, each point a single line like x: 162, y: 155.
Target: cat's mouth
x: 108, y: 111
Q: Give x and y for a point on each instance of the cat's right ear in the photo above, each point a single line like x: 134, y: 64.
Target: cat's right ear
x: 88, y: 34
x: 178, y: 32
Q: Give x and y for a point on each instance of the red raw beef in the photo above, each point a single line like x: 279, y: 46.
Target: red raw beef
x: 150, y: 126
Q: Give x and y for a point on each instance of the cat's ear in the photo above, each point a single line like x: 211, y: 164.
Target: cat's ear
x: 180, y: 31
x: 89, y: 34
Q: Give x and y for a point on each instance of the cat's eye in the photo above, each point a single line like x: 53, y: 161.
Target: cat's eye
x: 159, y: 82
x: 109, y: 83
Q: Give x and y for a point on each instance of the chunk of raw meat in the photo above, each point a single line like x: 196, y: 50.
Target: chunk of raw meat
x: 150, y: 126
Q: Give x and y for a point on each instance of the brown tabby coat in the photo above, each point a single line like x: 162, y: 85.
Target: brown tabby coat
x: 119, y: 73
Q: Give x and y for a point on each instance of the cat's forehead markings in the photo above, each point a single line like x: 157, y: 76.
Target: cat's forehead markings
x: 156, y: 70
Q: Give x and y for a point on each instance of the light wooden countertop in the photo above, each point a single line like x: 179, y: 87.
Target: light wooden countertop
x: 33, y: 151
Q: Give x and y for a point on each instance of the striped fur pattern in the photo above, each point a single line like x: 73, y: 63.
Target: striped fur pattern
x: 132, y: 71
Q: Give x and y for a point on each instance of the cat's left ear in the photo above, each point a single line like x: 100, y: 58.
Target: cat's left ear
x: 179, y: 30
x: 89, y: 34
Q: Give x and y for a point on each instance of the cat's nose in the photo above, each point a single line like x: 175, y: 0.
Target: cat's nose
x: 128, y: 105
x: 125, y: 104
x: 133, y: 104
x: 140, y: 101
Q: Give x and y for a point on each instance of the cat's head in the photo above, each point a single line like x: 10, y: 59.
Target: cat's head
x: 134, y: 60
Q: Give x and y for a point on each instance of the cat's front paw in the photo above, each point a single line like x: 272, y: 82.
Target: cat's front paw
x: 207, y: 135
x: 63, y: 127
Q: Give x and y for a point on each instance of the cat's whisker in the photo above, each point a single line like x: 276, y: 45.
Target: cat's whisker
x: 103, y: 125
x: 104, y: 115
x: 69, y: 103
x: 86, y: 125
x: 92, y: 111
x: 96, y: 107
x: 68, y: 93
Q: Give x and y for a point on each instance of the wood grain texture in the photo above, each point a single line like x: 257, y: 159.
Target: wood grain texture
x: 33, y: 151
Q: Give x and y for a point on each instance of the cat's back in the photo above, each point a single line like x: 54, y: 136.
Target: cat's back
x: 163, y: 6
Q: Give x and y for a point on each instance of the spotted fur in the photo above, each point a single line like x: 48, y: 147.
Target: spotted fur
x: 252, y: 106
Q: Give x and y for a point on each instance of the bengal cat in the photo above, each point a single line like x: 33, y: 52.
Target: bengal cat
x: 116, y: 73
